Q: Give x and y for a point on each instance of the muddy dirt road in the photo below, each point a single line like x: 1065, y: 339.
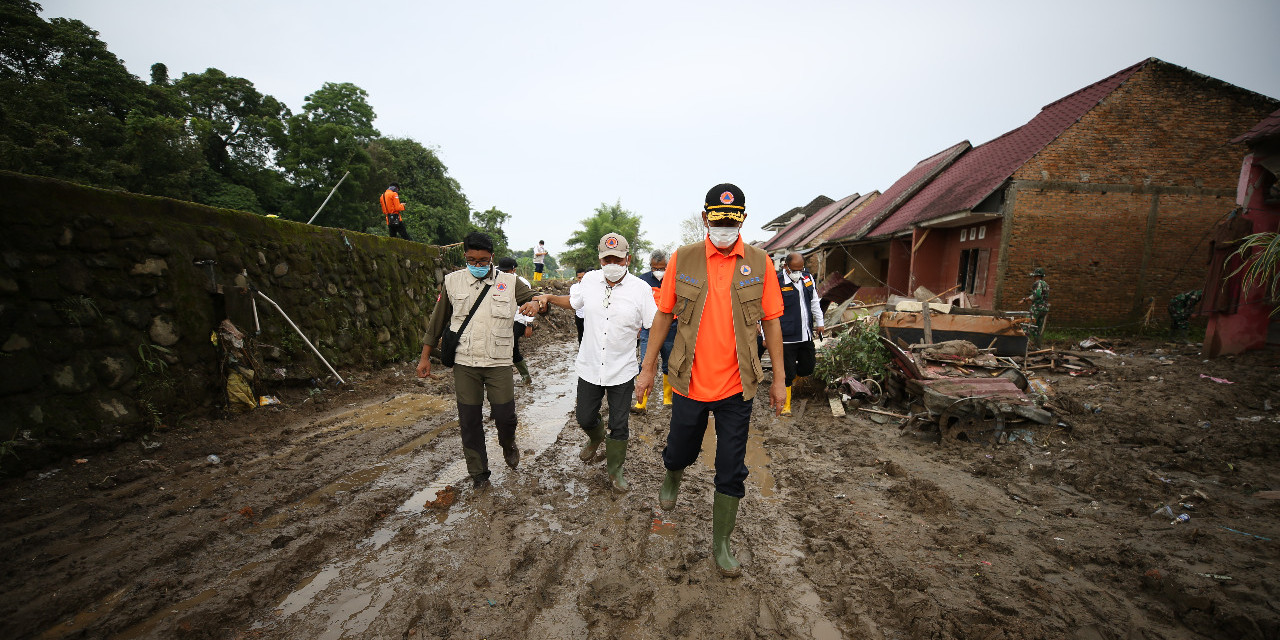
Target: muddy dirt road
x: 314, y: 523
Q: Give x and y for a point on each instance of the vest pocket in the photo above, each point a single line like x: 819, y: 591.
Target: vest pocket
x: 501, y: 347
x: 751, y: 299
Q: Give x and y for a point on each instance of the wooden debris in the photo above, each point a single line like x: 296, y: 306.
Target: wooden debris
x: 884, y: 413
x: 837, y: 407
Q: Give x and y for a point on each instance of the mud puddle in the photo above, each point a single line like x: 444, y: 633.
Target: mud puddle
x: 350, y: 592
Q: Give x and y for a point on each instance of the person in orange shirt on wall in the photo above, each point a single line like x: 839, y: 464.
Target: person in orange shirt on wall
x: 393, y: 209
x: 717, y: 289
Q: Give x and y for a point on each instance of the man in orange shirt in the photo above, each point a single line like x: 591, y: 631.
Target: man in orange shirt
x: 393, y: 209
x: 717, y: 289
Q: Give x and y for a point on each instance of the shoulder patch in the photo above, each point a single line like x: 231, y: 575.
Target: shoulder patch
x: 746, y: 270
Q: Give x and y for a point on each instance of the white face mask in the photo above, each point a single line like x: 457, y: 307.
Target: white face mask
x: 723, y: 237
x: 659, y: 273
x: 614, y: 272
x: 796, y: 276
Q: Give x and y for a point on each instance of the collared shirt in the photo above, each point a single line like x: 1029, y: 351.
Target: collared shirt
x: 607, y: 355
x: 715, y: 353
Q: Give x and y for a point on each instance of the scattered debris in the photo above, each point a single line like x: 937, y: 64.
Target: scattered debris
x: 213, y: 459
x: 1254, y: 535
x: 444, y: 498
x: 1217, y: 380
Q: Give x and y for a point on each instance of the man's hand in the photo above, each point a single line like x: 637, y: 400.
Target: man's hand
x: 644, y: 381
x: 778, y: 395
x: 819, y: 330
x: 528, y: 331
x: 533, y: 307
x: 424, y: 363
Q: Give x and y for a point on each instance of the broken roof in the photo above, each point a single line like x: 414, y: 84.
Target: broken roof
x: 981, y: 171
x: 781, y: 222
x: 786, y: 237
x: 1268, y: 127
x: 836, y: 218
x: 898, y: 193
x: 804, y: 212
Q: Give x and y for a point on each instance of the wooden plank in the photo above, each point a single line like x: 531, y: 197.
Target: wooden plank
x: 921, y: 240
x: 837, y: 407
x: 886, y: 413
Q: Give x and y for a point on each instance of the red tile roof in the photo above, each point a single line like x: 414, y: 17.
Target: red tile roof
x: 787, y: 235
x: 898, y: 193
x: 978, y: 173
x: 1270, y: 126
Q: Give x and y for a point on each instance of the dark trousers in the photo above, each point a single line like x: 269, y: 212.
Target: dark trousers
x: 589, y: 400
x: 471, y: 385
x: 798, y: 359
x: 579, y: 322
x: 397, y: 229
x: 515, y: 344
x: 666, y: 345
x: 689, y: 424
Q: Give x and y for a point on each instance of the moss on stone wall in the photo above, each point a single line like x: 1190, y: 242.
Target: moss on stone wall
x: 106, y: 308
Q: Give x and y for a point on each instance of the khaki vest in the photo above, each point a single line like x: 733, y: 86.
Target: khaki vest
x: 748, y: 309
x: 490, y: 335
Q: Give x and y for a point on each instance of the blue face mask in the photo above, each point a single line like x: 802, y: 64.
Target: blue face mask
x: 478, y: 272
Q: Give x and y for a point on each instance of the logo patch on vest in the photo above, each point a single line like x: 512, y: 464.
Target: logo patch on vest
x: 746, y: 270
x: 502, y: 286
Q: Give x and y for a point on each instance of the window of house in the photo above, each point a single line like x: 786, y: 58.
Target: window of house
x: 982, y: 232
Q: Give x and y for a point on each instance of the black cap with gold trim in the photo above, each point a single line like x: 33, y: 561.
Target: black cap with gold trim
x: 725, y: 201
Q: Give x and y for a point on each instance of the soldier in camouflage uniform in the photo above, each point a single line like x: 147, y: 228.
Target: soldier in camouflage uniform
x: 1180, y: 309
x: 1039, y: 300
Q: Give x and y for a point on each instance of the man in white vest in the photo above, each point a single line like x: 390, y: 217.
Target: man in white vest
x: 482, y: 364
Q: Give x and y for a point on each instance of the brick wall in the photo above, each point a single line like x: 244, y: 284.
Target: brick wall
x: 1118, y: 207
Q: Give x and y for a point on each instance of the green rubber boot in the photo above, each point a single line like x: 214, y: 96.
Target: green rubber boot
x: 670, y: 489
x: 594, y: 438
x: 615, y: 452
x: 724, y: 514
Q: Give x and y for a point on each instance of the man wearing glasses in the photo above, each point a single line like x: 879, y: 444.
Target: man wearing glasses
x: 718, y: 289
x: 615, y: 306
x: 482, y: 365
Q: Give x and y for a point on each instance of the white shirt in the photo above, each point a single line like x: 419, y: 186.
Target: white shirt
x: 607, y: 355
x: 527, y: 321
x: 814, y: 308
x: 539, y: 254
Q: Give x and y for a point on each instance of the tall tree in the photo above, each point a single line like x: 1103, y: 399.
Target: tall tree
x: 608, y: 218
x: 325, y: 141
x: 490, y: 222
x: 64, y: 98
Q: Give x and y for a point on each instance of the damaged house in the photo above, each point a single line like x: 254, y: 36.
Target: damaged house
x: 1112, y: 189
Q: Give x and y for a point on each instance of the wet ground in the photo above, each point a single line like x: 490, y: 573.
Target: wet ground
x: 347, y: 515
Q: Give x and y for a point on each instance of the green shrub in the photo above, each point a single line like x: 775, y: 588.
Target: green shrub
x: 858, y: 351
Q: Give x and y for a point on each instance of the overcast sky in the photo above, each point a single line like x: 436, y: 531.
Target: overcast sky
x: 548, y: 109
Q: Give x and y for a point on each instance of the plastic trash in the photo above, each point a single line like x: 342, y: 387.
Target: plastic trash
x: 1165, y: 511
x: 1181, y: 518
x: 212, y: 459
x: 1217, y: 380
x: 267, y: 400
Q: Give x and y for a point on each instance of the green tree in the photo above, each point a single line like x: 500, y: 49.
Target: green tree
x: 436, y: 211
x: 64, y: 98
x: 324, y: 142
x: 490, y: 222
x: 608, y: 218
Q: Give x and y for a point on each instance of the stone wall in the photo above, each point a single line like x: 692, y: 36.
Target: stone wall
x: 107, y: 307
